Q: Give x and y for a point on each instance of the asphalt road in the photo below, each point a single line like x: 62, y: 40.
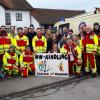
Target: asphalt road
x: 9, y: 86
x: 88, y: 89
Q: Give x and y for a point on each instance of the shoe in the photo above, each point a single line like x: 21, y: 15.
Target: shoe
x: 94, y: 75
x: 78, y: 75
x: 9, y: 76
x: 88, y: 75
x: 2, y: 75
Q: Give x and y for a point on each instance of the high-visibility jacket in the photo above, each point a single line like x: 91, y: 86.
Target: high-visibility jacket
x: 10, y: 60
x: 5, y: 43
x: 21, y: 43
x: 39, y: 45
x: 98, y: 48
x: 77, y: 53
x: 73, y: 57
x: 13, y: 39
x: 27, y: 63
x: 89, y: 43
x: 26, y: 59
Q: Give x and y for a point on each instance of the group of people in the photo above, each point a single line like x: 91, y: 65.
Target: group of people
x: 17, y: 50
x: 83, y: 51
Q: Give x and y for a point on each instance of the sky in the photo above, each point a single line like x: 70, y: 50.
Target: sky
x: 87, y: 5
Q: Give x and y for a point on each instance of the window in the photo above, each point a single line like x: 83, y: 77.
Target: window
x: 65, y: 25
x: 18, y: 16
x: 8, y: 18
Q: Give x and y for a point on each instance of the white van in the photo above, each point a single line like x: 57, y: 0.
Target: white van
x: 73, y: 23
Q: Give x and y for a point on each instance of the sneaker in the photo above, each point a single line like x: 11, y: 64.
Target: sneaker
x: 9, y: 76
x: 2, y: 75
x: 94, y: 75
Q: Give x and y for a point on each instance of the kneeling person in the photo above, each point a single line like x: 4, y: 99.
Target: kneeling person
x: 10, y: 62
x: 74, y: 56
x: 27, y: 62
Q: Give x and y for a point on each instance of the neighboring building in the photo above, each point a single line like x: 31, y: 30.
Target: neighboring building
x: 48, y: 17
x: 20, y: 13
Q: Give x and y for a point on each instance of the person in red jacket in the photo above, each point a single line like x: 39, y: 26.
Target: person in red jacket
x: 10, y: 62
x: 21, y: 41
x: 88, y: 45
x: 27, y: 62
x: 39, y: 42
x: 74, y: 56
x: 5, y: 42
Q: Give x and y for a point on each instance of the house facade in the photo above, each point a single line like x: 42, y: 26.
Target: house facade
x: 17, y: 18
x: 2, y: 15
x: 16, y: 14
x: 20, y: 13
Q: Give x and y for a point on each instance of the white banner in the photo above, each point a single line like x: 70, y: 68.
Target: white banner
x: 51, y: 64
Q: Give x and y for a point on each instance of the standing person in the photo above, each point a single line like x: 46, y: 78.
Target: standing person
x: 43, y: 31
x: 81, y: 26
x: 30, y: 36
x: 64, y: 31
x: 54, y: 37
x: 5, y: 42
x: 10, y: 62
x: 75, y: 39
x: 96, y: 30
x: 20, y: 41
x: 62, y: 41
x: 74, y: 56
x: 39, y: 42
x: 27, y: 62
x: 55, y: 48
x: 82, y: 34
x: 48, y: 36
x: 70, y: 33
x: 58, y: 36
x: 89, y: 47
x: 25, y: 31
x: 12, y: 32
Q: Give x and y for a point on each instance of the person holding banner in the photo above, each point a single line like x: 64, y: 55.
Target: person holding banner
x: 39, y: 42
x: 27, y: 62
x: 10, y: 62
x: 74, y: 56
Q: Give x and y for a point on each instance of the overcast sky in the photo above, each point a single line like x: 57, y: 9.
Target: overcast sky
x: 87, y: 5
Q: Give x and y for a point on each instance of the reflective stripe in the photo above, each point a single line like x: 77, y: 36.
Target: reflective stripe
x: 90, y: 48
x: 89, y: 51
x: 98, y: 50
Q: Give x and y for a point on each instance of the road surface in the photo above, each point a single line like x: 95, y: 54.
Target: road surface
x: 87, y: 89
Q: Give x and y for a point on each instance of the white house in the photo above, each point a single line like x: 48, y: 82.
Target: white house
x: 16, y: 13
x: 2, y: 15
x: 20, y: 13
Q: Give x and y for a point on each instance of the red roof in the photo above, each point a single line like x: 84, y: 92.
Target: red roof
x: 50, y: 16
x: 16, y: 4
x: 44, y: 16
